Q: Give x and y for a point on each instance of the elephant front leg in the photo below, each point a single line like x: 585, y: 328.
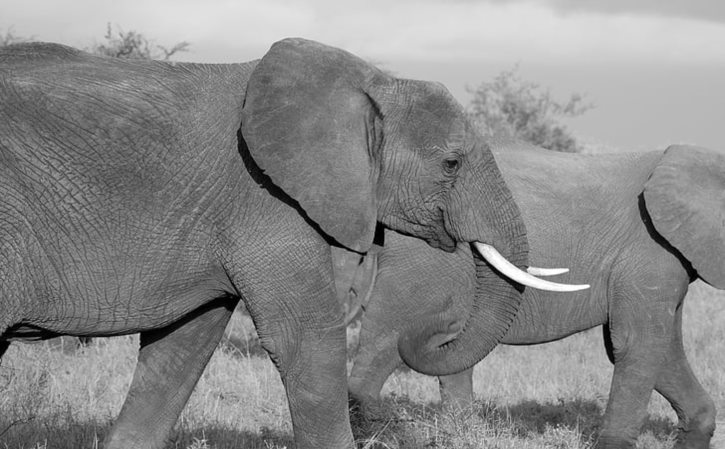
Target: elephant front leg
x: 314, y: 378
x: 457, y: 390
x: 300, y: 324
x: 170, y: 362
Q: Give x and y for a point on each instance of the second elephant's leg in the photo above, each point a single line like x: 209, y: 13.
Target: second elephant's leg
x: 694, y: 407
x: 457, y: 389
x: 170, y: 362
x: 371, y: 369
x: 376, y: 359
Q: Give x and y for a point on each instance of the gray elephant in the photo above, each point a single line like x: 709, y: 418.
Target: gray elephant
x: 150, y: 197
x: 638, y: 227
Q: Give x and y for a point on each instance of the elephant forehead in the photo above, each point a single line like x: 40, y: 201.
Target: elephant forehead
x: 436, y: 119
x: 435, y: 101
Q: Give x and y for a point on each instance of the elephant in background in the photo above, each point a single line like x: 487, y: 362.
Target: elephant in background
x: 354, y: 277
x: 150, y: 197
x: 639, y: 227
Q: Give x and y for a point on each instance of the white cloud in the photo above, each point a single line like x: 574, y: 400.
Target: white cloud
x: 528, y: 32
x: 384, y: 30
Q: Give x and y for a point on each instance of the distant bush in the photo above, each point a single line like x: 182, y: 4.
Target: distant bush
x: 512, y: 107
x: 133, y: 45
x: 9, y: 37
x: 117, y: 44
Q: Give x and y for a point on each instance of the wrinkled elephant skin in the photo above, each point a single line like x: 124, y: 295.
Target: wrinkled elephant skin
x: 150, y: 197
x: 639, y: 227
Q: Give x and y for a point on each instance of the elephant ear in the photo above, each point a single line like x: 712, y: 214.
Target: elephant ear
x: 685, y: 197
x: 311, y: 125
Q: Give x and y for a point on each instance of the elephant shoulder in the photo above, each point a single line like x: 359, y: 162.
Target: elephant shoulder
x: 685, y: 198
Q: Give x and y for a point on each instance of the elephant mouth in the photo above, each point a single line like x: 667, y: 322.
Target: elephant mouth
x: 489, y: 253
x: 440, y: 236
x: 442, y: 239
x: 527, y: 278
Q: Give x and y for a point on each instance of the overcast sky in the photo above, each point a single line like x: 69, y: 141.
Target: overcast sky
x: 654, y: 68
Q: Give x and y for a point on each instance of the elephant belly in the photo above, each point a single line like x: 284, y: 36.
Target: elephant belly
x: 121, y: 305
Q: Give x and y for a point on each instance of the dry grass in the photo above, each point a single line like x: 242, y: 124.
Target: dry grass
x: 548, y: 396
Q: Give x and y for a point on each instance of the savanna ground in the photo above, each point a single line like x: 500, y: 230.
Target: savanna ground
x: 547, y: 396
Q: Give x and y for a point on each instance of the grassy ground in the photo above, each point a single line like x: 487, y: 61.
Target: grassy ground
x: 548, y: 396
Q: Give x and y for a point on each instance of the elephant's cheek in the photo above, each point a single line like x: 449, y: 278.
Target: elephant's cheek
x: 444, y: 236
x: 444, y: 241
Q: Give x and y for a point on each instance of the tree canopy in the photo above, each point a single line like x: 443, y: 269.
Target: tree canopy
x: 133, y: 45
x: 9, y: 37
x: 509, y: 106
x: 116, y: 44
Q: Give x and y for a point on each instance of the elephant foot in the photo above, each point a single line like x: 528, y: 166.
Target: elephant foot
x: 694, y: 439
x: 614, y: 442
x: 697, y: 429
x: 367, y: 408
x: 457, y: 390
x: 373, y: 422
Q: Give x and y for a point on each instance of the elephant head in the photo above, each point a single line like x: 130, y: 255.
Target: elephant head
x: 354, y: 146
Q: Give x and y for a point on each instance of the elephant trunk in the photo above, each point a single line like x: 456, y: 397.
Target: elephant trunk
x: 442, y: 344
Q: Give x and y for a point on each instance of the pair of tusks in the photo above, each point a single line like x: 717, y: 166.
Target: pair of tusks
x: 529, y: 279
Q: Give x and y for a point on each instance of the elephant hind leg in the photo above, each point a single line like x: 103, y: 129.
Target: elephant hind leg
x: 170, y: 362
x: 678, y: 384
x: 640, y: 329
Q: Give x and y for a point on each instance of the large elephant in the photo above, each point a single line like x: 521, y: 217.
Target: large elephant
x: 141, y: 196
x: 638, y: 227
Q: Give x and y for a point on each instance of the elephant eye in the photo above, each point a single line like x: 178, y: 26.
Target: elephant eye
x: 450, y: 165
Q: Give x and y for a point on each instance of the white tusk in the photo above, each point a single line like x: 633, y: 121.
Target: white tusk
x: 536, y: 271
x: 508, y: 269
